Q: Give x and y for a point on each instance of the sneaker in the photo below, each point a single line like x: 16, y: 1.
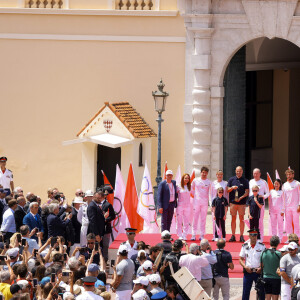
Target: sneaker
x: 201, y: 238
x: 193, y: 238
x: 232, y: 239
x: 242, y: 239
x: 216, y: 239
x: 181, y: 238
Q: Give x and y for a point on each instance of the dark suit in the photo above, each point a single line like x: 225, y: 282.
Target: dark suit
x: 106, y: 206
x: 76, y: 226
x: 163, y: 201
x: 56, y: 227
x: 96, y: 219
x: 33, y: 222
x: 19, y: 215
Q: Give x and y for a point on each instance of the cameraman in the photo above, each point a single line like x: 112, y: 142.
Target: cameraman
x: 270, y: 259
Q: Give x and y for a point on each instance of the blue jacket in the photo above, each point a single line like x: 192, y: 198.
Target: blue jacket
x: 163, y: 194
x: 32, y: 222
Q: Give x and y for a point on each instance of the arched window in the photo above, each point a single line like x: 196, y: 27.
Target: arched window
x: 141, y: 155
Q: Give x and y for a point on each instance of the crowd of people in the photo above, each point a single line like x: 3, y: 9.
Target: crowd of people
x: 52, y: 250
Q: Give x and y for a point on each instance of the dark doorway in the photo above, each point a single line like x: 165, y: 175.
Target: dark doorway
x: 107, y: 159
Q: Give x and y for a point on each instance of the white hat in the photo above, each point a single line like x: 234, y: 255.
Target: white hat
x: 141, y: 280
x: 23, y: 283
x: 78, y: 200
x: 292, y: 245
x: 122, y: 249
x: 284, y: 248
x: 165, y: 233
x: 89, y: 193
x: 140, y: 252
x: 147, y: 265
x: 154, y: 278
x: 66, y: 294
x: 140, y: 295
x: 13, y: 252
x: 169, y: 172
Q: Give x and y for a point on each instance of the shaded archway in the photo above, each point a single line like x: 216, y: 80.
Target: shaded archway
x: 261, y: 127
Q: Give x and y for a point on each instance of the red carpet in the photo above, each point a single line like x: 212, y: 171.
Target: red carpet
x: 233, y: 248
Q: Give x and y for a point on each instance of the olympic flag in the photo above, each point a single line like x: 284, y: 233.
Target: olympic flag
x: 119, y: 223
x: 146, y: 205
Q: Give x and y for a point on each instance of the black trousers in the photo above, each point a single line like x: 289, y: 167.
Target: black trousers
x: 254, y: 223
x: 221, y: 224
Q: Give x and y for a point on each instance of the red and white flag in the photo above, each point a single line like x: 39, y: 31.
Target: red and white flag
x: 109, y: 197
x: 277, y: 175
x: 131, y: 202
x: 166, y: 169
x: 146, y: 205
x: 119, y: 223
x: 270, y: 182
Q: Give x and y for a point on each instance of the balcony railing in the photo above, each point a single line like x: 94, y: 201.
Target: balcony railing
x: 44, y: 3
x: 134, y: 4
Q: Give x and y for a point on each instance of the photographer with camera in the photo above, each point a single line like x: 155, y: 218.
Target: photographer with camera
x: 250, y: 261
x: 270, y: 259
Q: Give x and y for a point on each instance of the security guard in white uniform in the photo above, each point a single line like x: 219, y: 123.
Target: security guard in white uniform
x: 250, y: 261
x: 131, y: 243
x: 6, y: 176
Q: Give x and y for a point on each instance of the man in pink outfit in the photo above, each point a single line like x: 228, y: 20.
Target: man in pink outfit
x: 291, y: 190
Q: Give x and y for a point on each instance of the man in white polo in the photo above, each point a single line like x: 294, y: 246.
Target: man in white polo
x: 6, y: 176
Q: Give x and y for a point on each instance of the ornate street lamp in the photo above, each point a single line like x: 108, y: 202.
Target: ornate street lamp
x: 160, y: 99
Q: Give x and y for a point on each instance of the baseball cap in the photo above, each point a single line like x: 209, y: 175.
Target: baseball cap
x: 140, y: 252
x: 147, y: 265
x: 140, y: 295
x: 141, y: 280
x: 284, y: 248
x: 93, y: 268
x: 169, y: 172
x: 45, y: 280
x: 165, y: 234
x: 123, y: 250
x: 292, y: 245
x: 178, y: 244
x: 154, y: 278
x: 13, y: 252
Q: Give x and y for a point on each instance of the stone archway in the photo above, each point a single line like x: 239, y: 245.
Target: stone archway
x: 215, y: 30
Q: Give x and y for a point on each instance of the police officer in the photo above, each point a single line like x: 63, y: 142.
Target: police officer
x: 6, y: 177
x: 131, y: 243
x: 250, y: 261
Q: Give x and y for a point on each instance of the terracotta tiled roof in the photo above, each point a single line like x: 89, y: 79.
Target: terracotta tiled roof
x: 129, y: 117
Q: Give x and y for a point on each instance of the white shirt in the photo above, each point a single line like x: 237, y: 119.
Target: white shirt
x: 291, y: 194
x: 200, y: 190
x: 8, y: 223
x: 32, y: 244
x: 252, y: 255
x: 172, y: 191
x: 263, y: 187
x: 88, y: 296
x: 6, y: 178
x: 276, y: 201
x: 214, y: 187
x: 184, y: 196
x: 82, y: 216
x: 193, y: 263
x: 131, y: 250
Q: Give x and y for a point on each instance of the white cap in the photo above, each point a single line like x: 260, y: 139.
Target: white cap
x: 284, y: 248
x: 165, y: 233
x: 78, y: 200
x: 292, y: 245
x: 66, y: 294
x: 13, y: 252
x: 140, y: 295
x: 141, y: 280
x: 140, y: 252
x: 122, y: 249
x: 88, y: 193
x: 147, y: 265
x: 154, y: 278
x: 169, y: 172
x: 23, y: 283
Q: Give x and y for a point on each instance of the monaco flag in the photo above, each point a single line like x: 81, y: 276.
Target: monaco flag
x: 119, y: 223
x: 109, y: 197
x: 131, y: 202
x: 277, y: 174
x: 146, y: 205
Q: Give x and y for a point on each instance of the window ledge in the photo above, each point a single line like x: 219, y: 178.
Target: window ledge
x: 91, y: 12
